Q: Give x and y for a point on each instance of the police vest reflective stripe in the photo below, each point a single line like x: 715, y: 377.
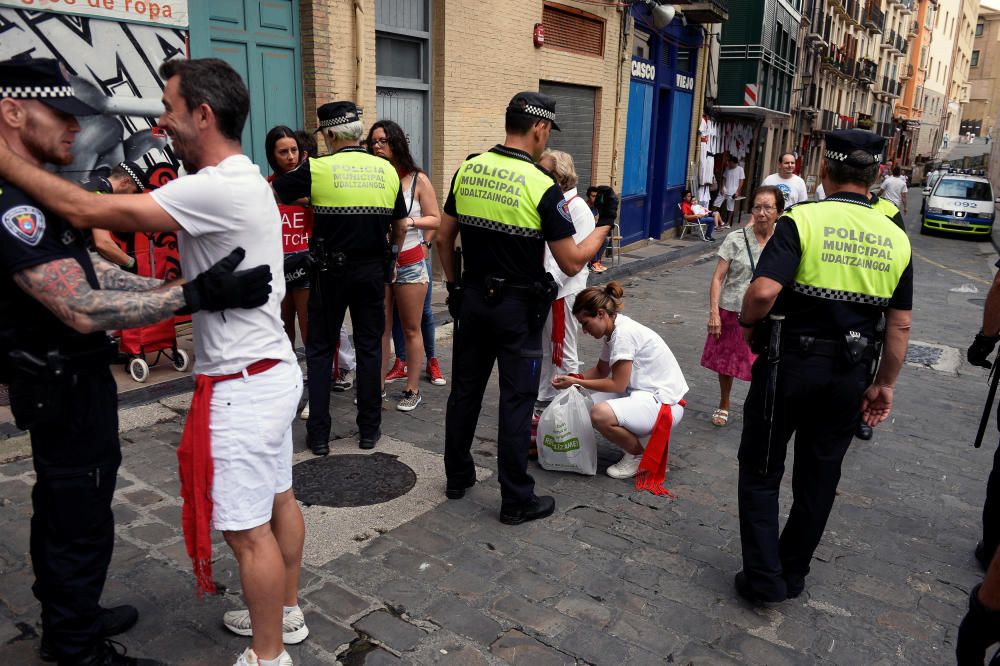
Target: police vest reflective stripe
x: 501, y: 193
x: 850, y: 252
x: 352, y: 182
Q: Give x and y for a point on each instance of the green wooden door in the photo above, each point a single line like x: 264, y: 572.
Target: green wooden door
x: 260, y: 39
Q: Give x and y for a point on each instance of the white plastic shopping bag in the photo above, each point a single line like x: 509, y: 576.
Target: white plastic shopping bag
x: 566, y: 441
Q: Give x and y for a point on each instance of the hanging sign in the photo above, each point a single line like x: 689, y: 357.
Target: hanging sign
x: 158, y: 12
x: 642, y: 70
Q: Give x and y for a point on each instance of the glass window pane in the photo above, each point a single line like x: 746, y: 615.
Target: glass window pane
x: 640, y: 44
x: 397, y: 57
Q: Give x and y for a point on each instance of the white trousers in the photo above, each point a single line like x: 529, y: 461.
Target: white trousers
x: 570, y: 360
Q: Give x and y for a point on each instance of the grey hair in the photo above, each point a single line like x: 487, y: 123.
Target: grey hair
x: 347, y: 132
x: 565, y: 170
x: 842, y: 173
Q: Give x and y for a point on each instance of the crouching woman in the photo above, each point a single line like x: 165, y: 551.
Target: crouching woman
x: 635, y: 375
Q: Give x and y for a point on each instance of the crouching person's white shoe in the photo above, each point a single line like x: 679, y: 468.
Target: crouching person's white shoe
x: 293, y: 631
x: 625, y: 468
x: 250, y: 658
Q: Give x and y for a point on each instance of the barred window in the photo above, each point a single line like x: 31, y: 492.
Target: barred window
x: 573, y: 30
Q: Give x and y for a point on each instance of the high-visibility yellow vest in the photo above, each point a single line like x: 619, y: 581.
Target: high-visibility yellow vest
x: 502, y: 193
x: 885, y: 207
x: 850, y: 252
x: 352, y: 181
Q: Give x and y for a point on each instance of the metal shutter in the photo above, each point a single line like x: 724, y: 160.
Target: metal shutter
x: 573, y: 30
x: 575, y: 107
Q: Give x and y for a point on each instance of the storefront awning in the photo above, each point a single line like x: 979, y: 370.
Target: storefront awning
x: 750, y: 111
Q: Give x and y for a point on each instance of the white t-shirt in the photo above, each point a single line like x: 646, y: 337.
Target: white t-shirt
x: 893, y: 189
x: 820, y: 192
x: 583, y: 220
x: 731, y: 179
x: 794, y: 188
x: 218, y: 209
x: 654, y: 368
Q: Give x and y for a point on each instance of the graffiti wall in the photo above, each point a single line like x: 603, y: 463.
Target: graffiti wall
x: 114, y: 67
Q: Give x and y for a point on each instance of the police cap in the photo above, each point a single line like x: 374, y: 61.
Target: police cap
x: 334, y: 114
x: 135, y: 174
x: 536, y: 105
x: 44, y: 80
x: 841, y: 143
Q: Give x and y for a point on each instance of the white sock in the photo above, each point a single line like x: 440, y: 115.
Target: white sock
x: 289, y: 609
x: 272, y: 662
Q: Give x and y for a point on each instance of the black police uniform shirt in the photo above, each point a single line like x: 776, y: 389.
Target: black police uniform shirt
x: 819, y: 317
x: 357, y: 233
x: 491, y: 253
x: 31, y: 236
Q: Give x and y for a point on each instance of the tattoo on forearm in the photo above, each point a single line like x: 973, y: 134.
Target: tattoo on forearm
x: 114, y: 278
x: 63, y: 288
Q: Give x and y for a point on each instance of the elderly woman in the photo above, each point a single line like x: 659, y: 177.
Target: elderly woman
x: 725, y: 350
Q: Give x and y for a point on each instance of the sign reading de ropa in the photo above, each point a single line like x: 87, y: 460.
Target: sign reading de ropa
x: 159, y: 12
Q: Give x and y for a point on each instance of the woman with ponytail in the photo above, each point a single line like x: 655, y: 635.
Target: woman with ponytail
x: 637, y: 385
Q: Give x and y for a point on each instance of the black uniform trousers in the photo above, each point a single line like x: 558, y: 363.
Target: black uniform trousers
x: 76, y: 454
x: 360, y: 286
x: 818, y: 398
x: 991, y: 509
x: 510, y: 334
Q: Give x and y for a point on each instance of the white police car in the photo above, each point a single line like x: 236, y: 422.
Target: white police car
x: 959, y: 203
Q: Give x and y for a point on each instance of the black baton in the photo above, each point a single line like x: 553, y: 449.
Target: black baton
x: 773, y: 358
x: 988, y: 408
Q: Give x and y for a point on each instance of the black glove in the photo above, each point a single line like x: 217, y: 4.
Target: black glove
x: 607, y: 206
x: 454, y: 299
x: 980, y: 348
x: 221, y: 287
x: 298, y: 265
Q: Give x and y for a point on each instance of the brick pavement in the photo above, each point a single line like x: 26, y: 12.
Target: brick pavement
x: 615, y: 576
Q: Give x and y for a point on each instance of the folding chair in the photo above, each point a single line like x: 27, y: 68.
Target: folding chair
x: 614, y: 247
x: 687, y: 225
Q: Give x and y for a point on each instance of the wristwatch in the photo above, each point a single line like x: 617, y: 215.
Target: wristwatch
x: 426, y: 243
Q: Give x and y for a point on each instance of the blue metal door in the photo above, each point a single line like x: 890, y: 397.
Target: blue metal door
x: 635, y: 182
x: 260, y: 39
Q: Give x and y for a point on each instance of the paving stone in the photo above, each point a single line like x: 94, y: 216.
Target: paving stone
x: 462, y: 619
x: 518, y: 648
x: 526, y: 614
x: 329, y: 635
x: 585, y: 609
x: 153, y: 533
x: 593, y: 646
x: 530, y: 585
x: 338, y: 602
x: 386, y: 628
x: 143, y: 497
x: 379, y: 657
x: 170, y: 514
x: 14, y: 493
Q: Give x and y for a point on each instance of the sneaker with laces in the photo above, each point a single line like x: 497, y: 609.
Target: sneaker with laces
x: 598, y: 267
x: 434, y: 372
x: 250, y: 658
x: 397, y: 372
x: 293, y: 631
x: 625, y: 468
x: 343, y: 381
x: 409, y: 401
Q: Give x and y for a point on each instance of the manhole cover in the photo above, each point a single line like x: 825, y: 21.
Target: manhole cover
x: 352, y: 480
x: 923, y: 354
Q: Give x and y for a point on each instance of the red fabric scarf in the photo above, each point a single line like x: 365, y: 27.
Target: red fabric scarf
x: 558, y: 330
x: 653, y: 467
x: 194, y: 458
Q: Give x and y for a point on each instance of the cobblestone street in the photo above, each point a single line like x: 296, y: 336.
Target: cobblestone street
x: 616, y: 576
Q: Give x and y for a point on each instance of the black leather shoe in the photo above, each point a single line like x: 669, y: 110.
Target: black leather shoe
x: 457, y: 490
x: 369, y: 442
x: 982, y: 556
x: 748, y: 593
x: 319, y: 448
x: 865, y: 431
x: 539, y: 507
x: 114, y: 621
x: 795, y: 587
x: 110, y: 653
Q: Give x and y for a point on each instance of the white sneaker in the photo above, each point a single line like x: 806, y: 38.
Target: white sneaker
x: 250, y: 658
x: 625, y: 468
x: 304, y: 414
x: 294, y: 629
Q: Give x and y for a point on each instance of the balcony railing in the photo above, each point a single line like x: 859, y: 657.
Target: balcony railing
x: 873, y: 19
x: 867, y: 70
x: 905, y: 6
x: 704, y: 11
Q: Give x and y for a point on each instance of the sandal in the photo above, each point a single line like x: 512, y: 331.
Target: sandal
x: 720, y: 417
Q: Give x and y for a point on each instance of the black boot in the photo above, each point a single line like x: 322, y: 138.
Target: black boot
x: 114, y: 621
x: 979, y: 630
x: 110, y: 653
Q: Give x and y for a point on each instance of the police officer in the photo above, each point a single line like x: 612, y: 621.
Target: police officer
x: 55, y: 303
x: 355, y: 198
x: 506, y: 209
x: 831, y: 270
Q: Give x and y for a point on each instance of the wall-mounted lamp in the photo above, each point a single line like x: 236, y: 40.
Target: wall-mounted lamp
x: 662, y: 14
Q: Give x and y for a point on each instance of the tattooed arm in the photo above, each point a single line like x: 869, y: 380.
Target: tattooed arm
x: 113, y: 278
x: 62, y: 287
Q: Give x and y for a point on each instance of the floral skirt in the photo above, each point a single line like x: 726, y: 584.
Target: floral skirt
x: 729, y: 355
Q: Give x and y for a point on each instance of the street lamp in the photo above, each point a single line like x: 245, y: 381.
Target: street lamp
x: 662, y: 14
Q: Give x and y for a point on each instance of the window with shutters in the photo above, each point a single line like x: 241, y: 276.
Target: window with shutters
x: 569, y: 29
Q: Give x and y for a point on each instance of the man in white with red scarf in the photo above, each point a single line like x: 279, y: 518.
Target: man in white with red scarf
x: 236, y: 452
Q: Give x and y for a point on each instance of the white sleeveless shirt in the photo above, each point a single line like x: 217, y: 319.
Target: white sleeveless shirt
x: 413, y: 236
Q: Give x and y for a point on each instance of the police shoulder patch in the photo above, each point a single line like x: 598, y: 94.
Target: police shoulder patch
x: 563, y: 208
x: 25, y: 223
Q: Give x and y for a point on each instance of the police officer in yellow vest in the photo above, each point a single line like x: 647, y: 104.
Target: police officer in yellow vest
x: 356, y: 199
x: 506, y: 209
x: 831, y: 270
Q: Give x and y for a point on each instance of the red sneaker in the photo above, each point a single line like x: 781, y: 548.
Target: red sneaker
x: 398, y: 371
x: 434, y: 372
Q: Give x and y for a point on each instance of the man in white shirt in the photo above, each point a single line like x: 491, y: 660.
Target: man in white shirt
x: 733, y: 179
x: 236, y: 452
x: 894, y: 189
x: 791, y: 185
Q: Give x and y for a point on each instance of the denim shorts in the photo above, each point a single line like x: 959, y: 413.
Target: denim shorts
x: 415, y: 273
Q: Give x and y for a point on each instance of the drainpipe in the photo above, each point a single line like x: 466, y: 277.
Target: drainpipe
x: 359, y: 51
x: 623, y: 42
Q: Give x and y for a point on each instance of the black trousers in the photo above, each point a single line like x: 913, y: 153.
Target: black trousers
x: 510, y: 334
x: 818, y: 400
x: 76, y: 454
x: 359, y: 286
x: 991, y: 509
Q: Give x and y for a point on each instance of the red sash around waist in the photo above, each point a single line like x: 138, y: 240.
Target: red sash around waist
x: 653, y: 467
x: 412, y: 256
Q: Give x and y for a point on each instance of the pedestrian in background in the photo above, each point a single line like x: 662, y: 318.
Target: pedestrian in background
x: 894, y: 189
x: 733, y: 179
x: 126, y: 178
x: 726, y: 352
x: 694, y: 212
x: 792, y: 187
x: 595, y: 264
